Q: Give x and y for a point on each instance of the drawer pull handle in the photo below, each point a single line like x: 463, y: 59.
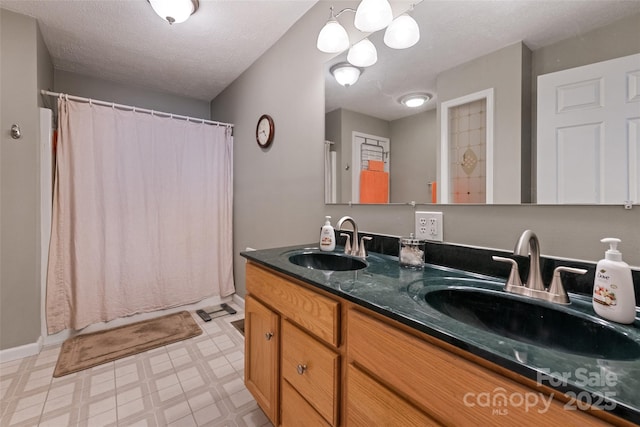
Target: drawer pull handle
x: 268, y: 336
x: 301, y: 369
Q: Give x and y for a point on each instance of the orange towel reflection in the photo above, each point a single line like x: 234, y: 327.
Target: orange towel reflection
x: 376, y: 165
x: 434, y: 192
x: 374, y: 186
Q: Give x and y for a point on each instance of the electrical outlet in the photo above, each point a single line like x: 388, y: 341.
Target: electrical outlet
x: 429, y: 226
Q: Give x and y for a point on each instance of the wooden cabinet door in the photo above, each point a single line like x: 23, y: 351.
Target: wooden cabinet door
x: 261, y: 373
x: 369, y: 403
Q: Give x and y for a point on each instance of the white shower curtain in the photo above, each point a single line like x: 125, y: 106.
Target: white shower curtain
x: 329, y: 173
x: 142, y: 216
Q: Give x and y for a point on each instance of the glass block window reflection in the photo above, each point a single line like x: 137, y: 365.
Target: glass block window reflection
x: 468, y: 152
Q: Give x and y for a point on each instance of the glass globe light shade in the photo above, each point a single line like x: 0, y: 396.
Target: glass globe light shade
x: 333, y: 38
x: 363, y: 54
x: 402, y: 33
x: 345, y: 74
x: 373, y: 15
x: 174, y: 11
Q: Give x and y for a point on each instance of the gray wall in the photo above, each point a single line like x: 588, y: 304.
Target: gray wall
x: 502, y: 71
x: 24, y: 68
x: 564, y: 231
x: 612, y: 41
x: 412, y: 138
x: 105, y: 90
x: 279, y: 192
x: 45, y: 69
x: 278, y: 201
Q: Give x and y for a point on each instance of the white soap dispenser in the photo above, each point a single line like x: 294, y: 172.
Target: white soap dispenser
x: 613, y: 294
x: 327, y: 236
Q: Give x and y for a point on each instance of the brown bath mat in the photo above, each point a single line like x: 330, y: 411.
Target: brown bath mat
x: 89, y: 350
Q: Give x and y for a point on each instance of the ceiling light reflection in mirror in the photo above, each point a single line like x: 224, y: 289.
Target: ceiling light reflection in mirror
x: 345, y: 73
x: 415, y: 100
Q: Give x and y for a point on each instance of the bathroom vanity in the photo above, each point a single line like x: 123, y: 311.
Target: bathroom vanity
x: 363, y: 347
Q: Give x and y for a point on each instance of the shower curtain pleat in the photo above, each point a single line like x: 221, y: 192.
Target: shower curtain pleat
x: 142, y: 215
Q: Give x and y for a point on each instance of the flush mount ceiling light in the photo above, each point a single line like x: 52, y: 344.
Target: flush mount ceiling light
x: 345, y: 73
x: 414, y: 100
x: 402, y: 33
x: 174, y: 11
x: 362, y: 54
x: 373, y: 15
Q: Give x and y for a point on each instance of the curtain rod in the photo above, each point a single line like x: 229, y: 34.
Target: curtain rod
x: 132, y: 108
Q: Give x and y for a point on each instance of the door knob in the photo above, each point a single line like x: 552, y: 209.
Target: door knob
x: 301, y: 369
x: 16, y: 133
x: 268, y: 336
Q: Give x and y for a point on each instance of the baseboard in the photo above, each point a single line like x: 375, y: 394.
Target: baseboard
x: 238, y: 300
x: 22, y: 351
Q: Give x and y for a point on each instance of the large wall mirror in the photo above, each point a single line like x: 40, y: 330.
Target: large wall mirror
x: 482, y: 62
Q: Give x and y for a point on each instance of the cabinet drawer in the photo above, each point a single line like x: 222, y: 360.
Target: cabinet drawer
x: 447, y: 386
x: 369, y: 403
x: 296, y: 410
x: 312, y: 369
x: 316, y: 313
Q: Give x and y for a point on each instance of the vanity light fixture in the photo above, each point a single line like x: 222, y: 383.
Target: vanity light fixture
x: 415, y: 100
x: 402, y: 33
x: 371, y: 16
x: 362, y: 54
x: 174, y: 11
x: 345, y: 73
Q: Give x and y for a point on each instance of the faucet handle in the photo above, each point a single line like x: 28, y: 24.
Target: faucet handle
x: 514, y: 275
x: 557, y: 287
x: 362, y: 253
x: 347, y: 244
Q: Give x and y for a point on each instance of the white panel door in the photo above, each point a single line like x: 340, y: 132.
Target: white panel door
x: 588, y: 141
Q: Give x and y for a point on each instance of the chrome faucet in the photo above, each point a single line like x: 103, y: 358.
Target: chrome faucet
x: 528, y: 244
x: 354, y: 248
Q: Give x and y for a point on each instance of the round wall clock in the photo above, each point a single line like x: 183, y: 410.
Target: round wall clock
x: 265, y: 131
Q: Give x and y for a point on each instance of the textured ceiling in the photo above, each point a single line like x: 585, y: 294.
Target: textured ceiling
x: 456, y: 31
x: 125, y: 41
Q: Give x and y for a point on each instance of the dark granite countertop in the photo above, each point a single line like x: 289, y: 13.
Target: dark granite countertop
x: 398, y: 293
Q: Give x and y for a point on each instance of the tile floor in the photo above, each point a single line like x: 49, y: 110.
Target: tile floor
x: 196, y: 382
